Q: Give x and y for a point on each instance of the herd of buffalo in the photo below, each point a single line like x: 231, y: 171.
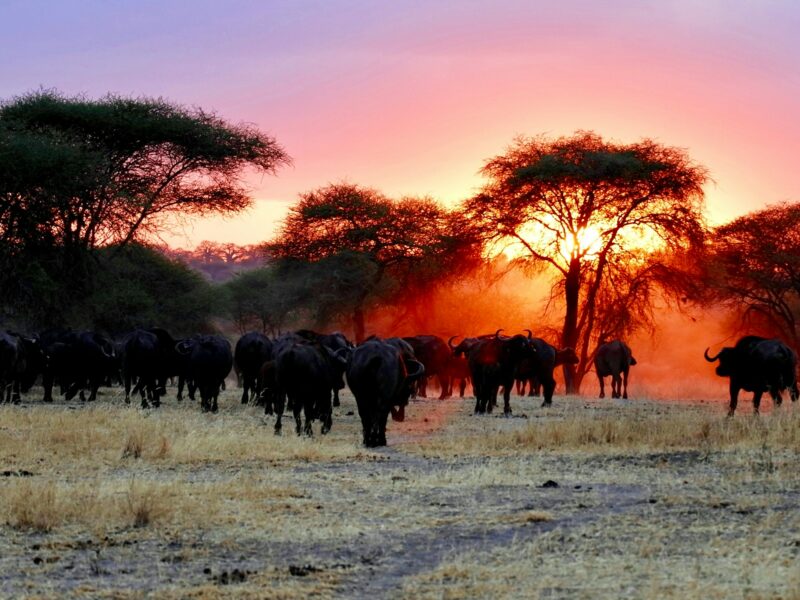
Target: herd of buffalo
x: 305, y: 370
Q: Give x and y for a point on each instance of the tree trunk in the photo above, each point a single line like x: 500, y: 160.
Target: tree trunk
x: 569, y: 335
x: 358, y: 324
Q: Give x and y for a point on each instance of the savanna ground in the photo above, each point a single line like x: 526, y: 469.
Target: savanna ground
x: 589, y: 499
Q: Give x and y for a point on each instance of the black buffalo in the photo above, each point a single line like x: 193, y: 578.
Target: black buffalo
x: 149, y: 358
x: 380, y: 378
x: 538, y: 369
x: 757, y: 365
x: 77, y: 361
x: 9, y: 355
x: 493, y: 362
x: 434, y: 353
x: 614, y: 359
x: 305, y: 372
x: 252, y: 351
x: 208, y: 361
x: 21, y: 362
x: 458, y: 365
x: 338, y: 343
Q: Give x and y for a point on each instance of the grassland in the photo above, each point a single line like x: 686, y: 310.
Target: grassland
x: 589, y: 499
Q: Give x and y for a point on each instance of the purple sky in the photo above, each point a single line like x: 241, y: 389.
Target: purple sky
x: 412, y: 97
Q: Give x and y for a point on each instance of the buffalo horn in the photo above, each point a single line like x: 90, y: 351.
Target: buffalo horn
x: 530, y: 334
x: 710, y: 358
x: 450, y: 342
x: 419, y: 369
x: 497, y: 334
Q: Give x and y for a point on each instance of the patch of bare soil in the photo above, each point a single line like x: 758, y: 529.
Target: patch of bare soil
x: 586, y: 499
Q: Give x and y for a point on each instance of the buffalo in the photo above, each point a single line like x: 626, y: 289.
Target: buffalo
x: 756, y: 364
x: 457, y: 365
x: 434, y: 353
x: 380, y: 378
x: 336, y: 342
x: 252, y: 351
x: 9, y: 360
x: 493, y: 362
x: 78, y: 361
x: 208, y: 361
x: 305, y: 373
x: 149, y: 358
x: 538, y: 369
x: 614, y: 359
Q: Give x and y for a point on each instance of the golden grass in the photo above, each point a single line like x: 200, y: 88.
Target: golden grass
x: 626, y: 432
x: 45, y: 505
x: 225, y: 484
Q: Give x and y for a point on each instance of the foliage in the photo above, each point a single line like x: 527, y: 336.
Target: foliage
x: 381, y: 248
x: 78, y: 175
x: 261, y: 300
x: 592, y: 211
x: 140, y: 287
x: 126, y: 163
x: 755, y: 267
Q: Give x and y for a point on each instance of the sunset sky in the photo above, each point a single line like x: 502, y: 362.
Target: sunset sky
x: 411, y: 97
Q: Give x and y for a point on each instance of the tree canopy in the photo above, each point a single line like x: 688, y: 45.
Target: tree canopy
x: 593, y: 211
x: 101, y: 172
x: 78, y: 175
x: 390, y: 247
x: 755, y: 268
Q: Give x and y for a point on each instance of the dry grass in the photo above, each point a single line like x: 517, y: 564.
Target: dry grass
x: 631, y: 431
x: 166, y: 495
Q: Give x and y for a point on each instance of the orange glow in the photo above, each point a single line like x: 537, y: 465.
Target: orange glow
x: 585, y: 243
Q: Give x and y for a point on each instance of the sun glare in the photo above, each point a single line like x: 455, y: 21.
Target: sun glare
x: 586, y: 243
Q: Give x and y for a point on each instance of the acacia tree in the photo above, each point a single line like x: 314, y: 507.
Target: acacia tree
x: 386, y: 248
x: 126, y: 163
x: 78, y: 174
x: 586, y: 208
x: 755, y: 268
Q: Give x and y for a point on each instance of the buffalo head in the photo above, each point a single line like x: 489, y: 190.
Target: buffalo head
x: 728, y: 361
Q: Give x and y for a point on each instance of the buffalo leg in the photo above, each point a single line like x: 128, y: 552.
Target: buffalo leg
x: 757, y: 401
x: 279, y: 404
x: 297, y: 410
x: 491, y: 399
x: 625, y: 384
x: 444, y: 383
x: 507, y: 398
x: 325, y: 415
x: 143, y: 391
x: 462, y: 388
x: 309, y: 414
x: 335, y: 399
x: 734, y: 399
x: 602, y: 386
x: 616, y: 385
x: 246, y: 382
x: 47, y: 384
x: 548, y: 387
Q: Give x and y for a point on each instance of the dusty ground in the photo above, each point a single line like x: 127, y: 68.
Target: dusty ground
x: 590, y: 499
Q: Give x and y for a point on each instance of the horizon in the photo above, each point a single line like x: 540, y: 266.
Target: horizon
x: 411, y: 98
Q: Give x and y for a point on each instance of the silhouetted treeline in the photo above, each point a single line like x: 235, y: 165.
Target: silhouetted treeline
x: 218, y: 262
x: 611, y: 231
